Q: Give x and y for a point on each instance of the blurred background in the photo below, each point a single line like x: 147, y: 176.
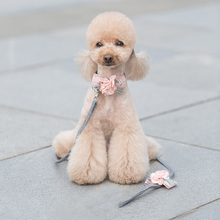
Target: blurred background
x: 40, y: 39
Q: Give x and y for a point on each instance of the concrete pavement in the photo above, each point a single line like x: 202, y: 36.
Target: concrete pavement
x: 42, y: 92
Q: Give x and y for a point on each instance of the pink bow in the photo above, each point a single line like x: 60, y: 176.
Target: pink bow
x: 108, y: 86
x: 160, y: 177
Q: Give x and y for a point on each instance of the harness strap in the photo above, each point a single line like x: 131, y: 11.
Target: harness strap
x: 148, y: 186
x: 151, y: 186
x: 91, y: 110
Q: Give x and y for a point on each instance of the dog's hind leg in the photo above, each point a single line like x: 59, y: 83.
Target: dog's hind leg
x: 153, y: 148
x: 63, y: 142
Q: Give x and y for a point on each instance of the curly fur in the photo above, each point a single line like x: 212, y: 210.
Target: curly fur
x: 113, y: 141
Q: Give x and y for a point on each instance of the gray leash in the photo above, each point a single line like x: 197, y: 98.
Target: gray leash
x: 121, y: 204
x: 152, y: 186
x: 91, y: 110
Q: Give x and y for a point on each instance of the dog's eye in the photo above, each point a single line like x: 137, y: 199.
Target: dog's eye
x: 119, y: 43
x: 99, y: 44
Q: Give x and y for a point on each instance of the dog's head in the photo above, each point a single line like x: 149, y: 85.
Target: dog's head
x: 111, y: 40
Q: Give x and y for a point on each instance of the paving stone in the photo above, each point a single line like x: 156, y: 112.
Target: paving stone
x: 60, y: 90
x: 199, y: 42
x: 48, y: 90
x: 190, y: 71
x: 151, y: 99
x: 177, y: 37
x: 14, y: 7
x: 199, y: 125
x: 158, y: 35
x: 172, y: 31
x: 210, y: 211
x: 202, y: 16
x: 22, y: 132
x: 185, y: 70
x: 33, y: 187
x: 156, y: 54
x: 36, y: 49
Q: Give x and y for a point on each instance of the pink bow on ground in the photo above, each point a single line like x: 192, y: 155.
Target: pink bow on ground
x: 160, y: 177
x: 108, y: 86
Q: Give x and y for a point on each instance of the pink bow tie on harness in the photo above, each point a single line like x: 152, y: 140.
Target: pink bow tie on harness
x: 108, y: 86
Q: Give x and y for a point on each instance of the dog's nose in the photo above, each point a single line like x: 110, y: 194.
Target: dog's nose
x: 108, y: 58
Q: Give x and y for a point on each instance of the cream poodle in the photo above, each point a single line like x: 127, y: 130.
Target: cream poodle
x: 113, y: 142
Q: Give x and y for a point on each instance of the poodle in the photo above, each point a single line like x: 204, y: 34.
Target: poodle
x: 113, y: 141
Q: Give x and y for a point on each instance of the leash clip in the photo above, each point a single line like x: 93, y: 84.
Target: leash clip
x: 96, y: 95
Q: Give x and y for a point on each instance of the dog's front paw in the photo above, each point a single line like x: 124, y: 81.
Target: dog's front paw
x: 88, y: 160
x: 127, y: 173
x: 85, y: 171
x: 63, y: 142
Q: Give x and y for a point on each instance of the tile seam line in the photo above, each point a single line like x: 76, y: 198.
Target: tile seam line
x: 141, y: 119
x: 184, y: 143
x: 45, y: 147
x: 18, y: 155
x: 38, y: 113
x: 194, y: 210
x: 182, y: 108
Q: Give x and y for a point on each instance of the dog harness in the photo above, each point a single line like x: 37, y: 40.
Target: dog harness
x: 109, y: 87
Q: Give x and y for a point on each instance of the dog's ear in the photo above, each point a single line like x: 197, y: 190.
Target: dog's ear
x: 137, y: 67
x: 86, y: 65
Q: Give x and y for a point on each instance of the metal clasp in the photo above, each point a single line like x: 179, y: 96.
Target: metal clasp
x: 96, y: 96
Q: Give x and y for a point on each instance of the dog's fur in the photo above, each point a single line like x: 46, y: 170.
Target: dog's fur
x: 113, y: 141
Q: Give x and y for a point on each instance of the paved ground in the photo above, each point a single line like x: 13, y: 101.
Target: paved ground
x: 41, y: 93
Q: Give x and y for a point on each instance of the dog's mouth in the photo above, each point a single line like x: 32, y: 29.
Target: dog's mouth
x: 112, y: 64
x: 109, y: 64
